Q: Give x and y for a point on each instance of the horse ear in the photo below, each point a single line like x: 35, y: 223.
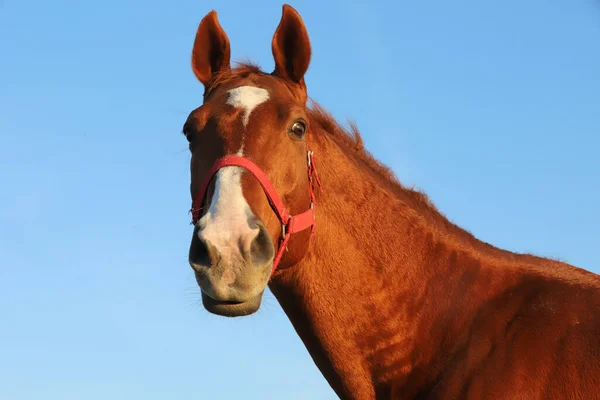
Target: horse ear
x: 211, y: 53
x: 291, y: 46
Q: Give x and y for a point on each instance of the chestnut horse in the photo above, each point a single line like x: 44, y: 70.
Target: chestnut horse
x: 390, y: 298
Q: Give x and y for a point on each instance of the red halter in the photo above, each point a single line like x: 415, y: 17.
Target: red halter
x: 289, y: 224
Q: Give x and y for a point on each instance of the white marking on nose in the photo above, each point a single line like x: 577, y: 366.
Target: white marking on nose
x: 247, y: 98
x: 225, y: 224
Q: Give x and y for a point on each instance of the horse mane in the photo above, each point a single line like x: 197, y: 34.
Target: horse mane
x: 351, y: 139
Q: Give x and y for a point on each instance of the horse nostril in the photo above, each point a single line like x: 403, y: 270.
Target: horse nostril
x: 251, y: 247
x: 199, y: 252
x: 262, y: 249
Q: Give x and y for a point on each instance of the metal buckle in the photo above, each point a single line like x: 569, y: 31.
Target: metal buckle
x: 283, y: 228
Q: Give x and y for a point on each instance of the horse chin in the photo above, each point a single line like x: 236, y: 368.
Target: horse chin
x: 231, y: 308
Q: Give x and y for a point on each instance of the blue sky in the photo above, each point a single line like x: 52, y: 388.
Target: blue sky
x: 493, y: 108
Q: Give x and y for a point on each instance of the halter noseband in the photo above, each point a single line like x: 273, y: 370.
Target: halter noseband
x: 290, y: 224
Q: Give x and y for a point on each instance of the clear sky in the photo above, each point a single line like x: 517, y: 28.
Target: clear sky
x: 493, y: 108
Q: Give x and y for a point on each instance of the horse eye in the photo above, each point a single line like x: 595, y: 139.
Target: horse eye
x: 298, y: 129
x: 189, y: 135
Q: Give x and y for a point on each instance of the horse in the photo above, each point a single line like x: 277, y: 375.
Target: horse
x: 391, y: 299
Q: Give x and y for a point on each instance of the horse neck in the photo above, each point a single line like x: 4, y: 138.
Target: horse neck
x: 379, y: 279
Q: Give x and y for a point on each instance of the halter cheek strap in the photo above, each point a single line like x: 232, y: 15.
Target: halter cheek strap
x: 290, y: 224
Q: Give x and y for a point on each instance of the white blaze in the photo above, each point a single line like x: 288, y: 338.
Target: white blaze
x: 225, y: 224
x: 247, y: 98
